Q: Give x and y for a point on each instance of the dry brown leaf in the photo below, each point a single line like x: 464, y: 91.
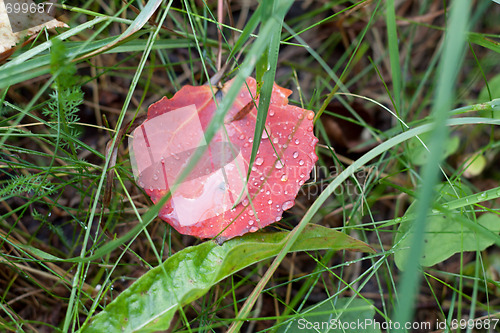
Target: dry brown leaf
x: 38, y: 21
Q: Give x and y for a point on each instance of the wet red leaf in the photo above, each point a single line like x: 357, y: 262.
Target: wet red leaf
x: 212, y: 201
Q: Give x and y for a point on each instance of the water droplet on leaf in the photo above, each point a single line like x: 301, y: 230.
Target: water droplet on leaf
x: 287, y: 205
x: 279, y: 164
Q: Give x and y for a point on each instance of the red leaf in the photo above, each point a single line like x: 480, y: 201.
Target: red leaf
x: 212, y: 200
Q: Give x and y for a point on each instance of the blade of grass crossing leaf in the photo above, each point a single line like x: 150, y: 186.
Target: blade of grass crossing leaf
x: 151, y: 302
x: 269, y: 61
x: 147, y: 12
x: 262, y: 63
x: 452, y: 55
x: 258, y: 47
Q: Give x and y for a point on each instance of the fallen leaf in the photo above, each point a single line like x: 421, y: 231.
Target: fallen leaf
x: 214, y: 200
x: 34, y: 22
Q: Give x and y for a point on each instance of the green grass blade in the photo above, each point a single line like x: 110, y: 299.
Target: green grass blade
x: 451, y: 58
x: 392, y: 37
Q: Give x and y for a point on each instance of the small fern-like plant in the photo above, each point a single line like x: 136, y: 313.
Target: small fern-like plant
x: 62, y: 109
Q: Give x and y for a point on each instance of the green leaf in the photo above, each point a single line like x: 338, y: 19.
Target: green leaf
x: 447, y: 232
x: 336, y: 315
x: 419, y: 154
x: 150, y: 303
x: 483, y: 41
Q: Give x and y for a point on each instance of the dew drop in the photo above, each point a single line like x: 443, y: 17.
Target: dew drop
x: 254, y: 168
x: 259, y: 161
x: 287, y: 205
x: 250, y: 222
x: 253, y: 229
x: 302, y: 175
x: 310, y: 115
x: 250, y: 140
x: 261, y: 178
x: 245, y: 202
x: 278, y: 218
x: 246, y: 145
x: 301, y: 116
x: 270, y: 202
x: 264, y: 135
x: 301, y: 162
x: 279, y: 164
x: 268, y: 192
x: 284, y: 178
x: 301, y: 182
x: 275, y: 140
x: 309, y: 129
x: 251, y: 212
x: 271, y: 113
x: 242, y: 137
x: 297, y: 141
x: 296, y: 154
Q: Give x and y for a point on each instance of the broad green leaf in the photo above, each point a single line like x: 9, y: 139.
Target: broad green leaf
x: 447, y: 232
x: 475, y: 165
x: 149, y: 304
x: 419, y: 155
x: 445, y: 235
x: 336, y: 315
